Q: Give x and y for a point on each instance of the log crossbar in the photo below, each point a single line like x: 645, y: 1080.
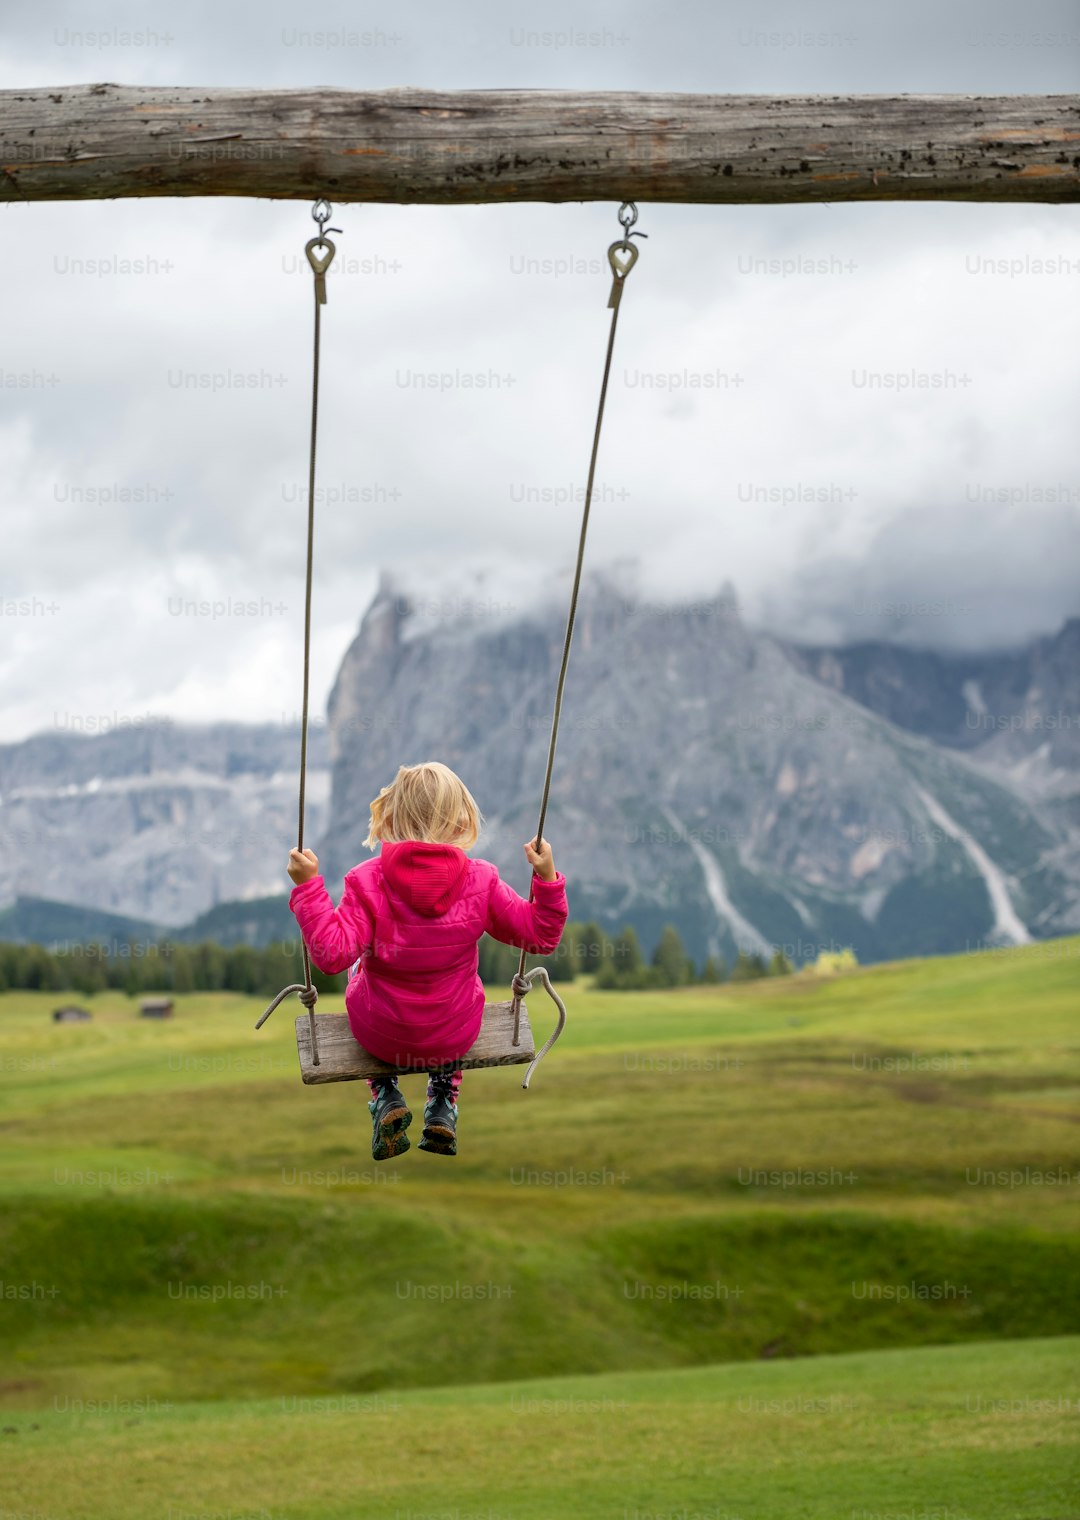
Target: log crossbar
x: 406, y: 145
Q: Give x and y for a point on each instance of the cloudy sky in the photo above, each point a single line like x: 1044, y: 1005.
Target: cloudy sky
x: 153, y: 509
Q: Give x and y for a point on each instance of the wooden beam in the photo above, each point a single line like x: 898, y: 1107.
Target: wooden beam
x: 97, y: 141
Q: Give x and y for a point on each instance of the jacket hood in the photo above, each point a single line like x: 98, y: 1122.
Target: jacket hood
x: 429, y: 877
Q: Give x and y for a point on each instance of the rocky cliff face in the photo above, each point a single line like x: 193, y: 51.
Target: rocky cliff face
x: 1016, y: 713
x: 157, y: 823
x: 704, y: 776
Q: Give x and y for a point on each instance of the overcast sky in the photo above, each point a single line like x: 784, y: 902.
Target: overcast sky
x: 838, y: 512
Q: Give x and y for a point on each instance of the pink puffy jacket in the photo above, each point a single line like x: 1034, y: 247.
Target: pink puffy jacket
x: 414, y: 916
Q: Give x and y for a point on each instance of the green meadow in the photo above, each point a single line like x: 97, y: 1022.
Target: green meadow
x: 796, y: 1247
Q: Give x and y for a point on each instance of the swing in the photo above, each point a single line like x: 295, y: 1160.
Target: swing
x: 327, y: 1047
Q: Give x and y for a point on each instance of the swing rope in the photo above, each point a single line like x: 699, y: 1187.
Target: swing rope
x: 622, y: 256
x: 620, y: 268
x: 322, y: 212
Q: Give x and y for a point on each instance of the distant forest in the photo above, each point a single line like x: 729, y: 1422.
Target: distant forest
x: 140, y: 966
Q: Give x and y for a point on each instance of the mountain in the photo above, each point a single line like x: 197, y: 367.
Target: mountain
x: 704, y: 776
x: 751, y: 791
x: 59, y: 925
x: 159, y: 823
x: 1017, y: 713
x: 254, y: 921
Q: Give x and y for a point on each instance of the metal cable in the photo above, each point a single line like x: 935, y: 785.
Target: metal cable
x: 322, y: 211
x: 627, y: 218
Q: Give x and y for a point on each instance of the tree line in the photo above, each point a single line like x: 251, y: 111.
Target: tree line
x: 139, y: 966
x: 620, y: 964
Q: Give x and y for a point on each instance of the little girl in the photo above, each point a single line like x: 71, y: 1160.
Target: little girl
x: 414, y: 916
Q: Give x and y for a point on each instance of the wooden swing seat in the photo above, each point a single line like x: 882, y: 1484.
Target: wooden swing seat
x: 343, y: 1059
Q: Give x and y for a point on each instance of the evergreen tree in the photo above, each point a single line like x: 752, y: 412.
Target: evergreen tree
x: 747, y: 968
x: 562, y: 965
x: 713, y: 970
x: 622, y: 965
x: 241, y: 970
x: 606, y: 978
x: 209, y: 967
x: 10, y: 967
x: 590, y: 944
x: 672, y: 965
x: 626, y: 954
x: 183, y: 977
x: 85, y: 974
x: 40, y: 969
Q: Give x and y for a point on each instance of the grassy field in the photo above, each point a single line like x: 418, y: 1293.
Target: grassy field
x: 194, y: 1246
x: 954, y: 1433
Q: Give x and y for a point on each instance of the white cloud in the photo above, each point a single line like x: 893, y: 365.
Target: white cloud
x: 434, y: 482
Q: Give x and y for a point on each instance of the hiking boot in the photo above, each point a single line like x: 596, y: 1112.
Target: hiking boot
x: 440, y: 1119
x: 390, y: 1118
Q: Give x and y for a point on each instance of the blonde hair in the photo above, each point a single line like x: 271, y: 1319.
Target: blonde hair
x: 425, y: 802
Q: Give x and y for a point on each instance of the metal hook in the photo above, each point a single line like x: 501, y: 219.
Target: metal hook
x: 520, y: 986
x: 628, y: 215
x: 322, y: 216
